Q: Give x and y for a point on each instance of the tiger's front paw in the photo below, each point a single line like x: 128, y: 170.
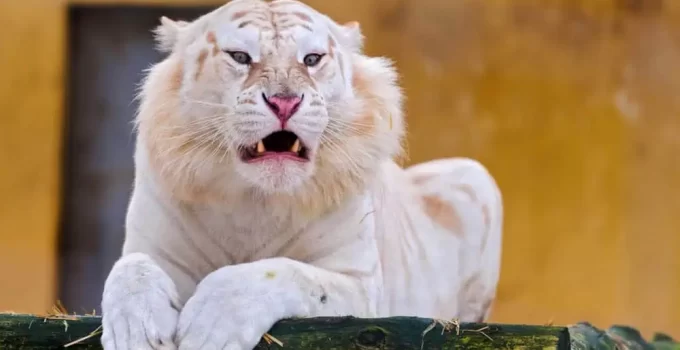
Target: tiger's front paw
x: 139, y: 306
x: 230, y: 310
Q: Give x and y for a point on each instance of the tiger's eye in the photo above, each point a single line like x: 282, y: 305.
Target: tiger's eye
x: 312, y: 59
x: 240, y: 57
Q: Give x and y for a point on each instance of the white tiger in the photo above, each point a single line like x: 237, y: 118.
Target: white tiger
x: 266, y: 189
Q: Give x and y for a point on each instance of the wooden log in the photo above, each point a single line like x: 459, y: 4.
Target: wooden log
x: 33, y: 332
x: 18, y: 331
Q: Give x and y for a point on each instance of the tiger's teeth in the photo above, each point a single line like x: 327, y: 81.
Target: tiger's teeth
x: 296, y: 146
x: 260, y: 147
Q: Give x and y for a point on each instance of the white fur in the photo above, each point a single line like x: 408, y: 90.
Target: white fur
x: 218, y: 250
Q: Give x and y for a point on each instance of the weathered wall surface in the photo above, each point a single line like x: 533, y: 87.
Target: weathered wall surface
x: 31, y: 106
x: 571, y: 104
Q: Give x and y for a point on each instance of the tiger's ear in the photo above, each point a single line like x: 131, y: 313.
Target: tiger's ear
x: 167, y: 34
x: 353, y: 37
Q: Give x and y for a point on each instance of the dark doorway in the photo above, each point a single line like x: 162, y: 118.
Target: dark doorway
x: 109, y: 48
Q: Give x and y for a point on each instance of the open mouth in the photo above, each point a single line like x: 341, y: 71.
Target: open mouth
x: 278, y: 144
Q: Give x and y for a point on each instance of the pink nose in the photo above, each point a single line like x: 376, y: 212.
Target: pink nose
x: 284, y: 106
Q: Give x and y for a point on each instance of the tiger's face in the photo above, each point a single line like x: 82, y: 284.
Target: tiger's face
x: 277, y: 92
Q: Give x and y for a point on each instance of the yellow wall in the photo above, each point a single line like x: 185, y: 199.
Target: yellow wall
x: 571, y: 104
x: 31, y: 104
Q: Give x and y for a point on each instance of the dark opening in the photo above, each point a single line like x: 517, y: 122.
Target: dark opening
x: 109, y: 47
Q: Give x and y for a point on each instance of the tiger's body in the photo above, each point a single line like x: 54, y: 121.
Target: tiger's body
x: 266, y: 189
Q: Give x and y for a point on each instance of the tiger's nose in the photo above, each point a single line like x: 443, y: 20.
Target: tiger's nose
x: 283, y: 105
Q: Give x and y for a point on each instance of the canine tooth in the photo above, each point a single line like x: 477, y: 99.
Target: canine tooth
x: 260, y: 147
x: 296, y: 146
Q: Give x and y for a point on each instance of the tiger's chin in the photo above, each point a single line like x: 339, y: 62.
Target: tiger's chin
x: 274, y: 174
x: 277, y: 176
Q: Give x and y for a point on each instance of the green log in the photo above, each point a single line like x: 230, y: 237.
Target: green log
x: 584, y: 336
x: 19, y: 331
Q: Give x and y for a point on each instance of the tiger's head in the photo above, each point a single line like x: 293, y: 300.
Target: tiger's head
x: 272, y: 99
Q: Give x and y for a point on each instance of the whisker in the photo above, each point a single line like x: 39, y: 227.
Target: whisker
x: 347, y: 122
x: 204, y: 121
x: 205, y: 103
x: 347, y: 131
x: 336, y: 149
